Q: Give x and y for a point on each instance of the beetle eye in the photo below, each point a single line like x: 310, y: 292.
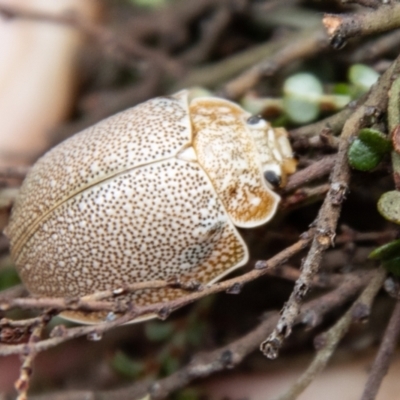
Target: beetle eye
x: 254, y: 119
x: 273, y: 178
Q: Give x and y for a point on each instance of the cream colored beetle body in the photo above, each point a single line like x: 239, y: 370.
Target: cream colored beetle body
x: 153, y: 192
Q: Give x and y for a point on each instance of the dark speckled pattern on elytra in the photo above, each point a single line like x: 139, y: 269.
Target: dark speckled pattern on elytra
x: 151, y: 131
x: 129, y: 200
x: 133, y: 227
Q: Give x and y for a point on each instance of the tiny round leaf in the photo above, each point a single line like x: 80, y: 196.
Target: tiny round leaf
x: 362, y: 157
x: 301, y: 111
x: 389, y: 206
x: 363, y: 76
x: 375, y: 139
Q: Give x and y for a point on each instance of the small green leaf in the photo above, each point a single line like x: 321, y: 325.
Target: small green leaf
x: 8, y: 278
x: 300, y: 110
x: 362, y: 76
x: 389, y: 206
x: 159, y: 331
x: 339, y: 101
x: 392, y: 266
x: 376, y: 140
x: 126, y: 366
x: 387, y: 251
x: 303, y: 84
x: 342, y: 89
x: 301, y: 97
x: 362, y: 157
x: 187, y: 394
x: 389, y: 254
x: 149, y: 3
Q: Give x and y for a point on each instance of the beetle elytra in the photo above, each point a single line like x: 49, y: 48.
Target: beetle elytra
x: 153, y: 192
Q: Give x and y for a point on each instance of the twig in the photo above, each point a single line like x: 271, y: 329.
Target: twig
x: 61, y: 335
x: 305, y: 196
x: 350, y: 235
x: 94, y: 301
x: 212, y: 75
x: 328, y: 341
x: 329, y: 212
x: 325, y: 140
x: 365, y: 3
x: 211, y: 30
x: 304, y: 45
x: 315, y: 171
x: 321, y: 281
x: 227, y: 356
x: 342, y: 27
x: 382, y: 360
x: 169, y: 23
x: 22, y: 384
x: 312, y: 312
x: 14, y: 331
x: 372, y: 50
x: 332, y: 124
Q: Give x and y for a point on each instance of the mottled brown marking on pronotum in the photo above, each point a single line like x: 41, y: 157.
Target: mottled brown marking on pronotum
x: 228, y: 154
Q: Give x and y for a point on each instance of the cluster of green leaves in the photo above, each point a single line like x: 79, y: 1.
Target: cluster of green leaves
x: 304, y: 97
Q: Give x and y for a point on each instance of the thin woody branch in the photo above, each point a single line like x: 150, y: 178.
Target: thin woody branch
x: 329, y: 213
x: 23, y: 382
x: 302, y: 46
x: 341, y: 27
x: 229, y: 356
x: 315, y: 171
x: 60, y: 335
x: 305, y: 196
x: 376, y: 48
x: 365, y: 3
x: 328, y: 341
x: 386, y: 351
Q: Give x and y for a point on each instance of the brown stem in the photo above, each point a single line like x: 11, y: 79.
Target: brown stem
x: 332, y: 337
x: 60, y: 335
x: 23, y: 382
x: 315, y: 171
x: 364, y: 3
x: 304, y: 45
x: 329, y: 213
x: 227, y: 356
x: 343, y: 26
x: 382, y: 360
x: 376, y: 48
